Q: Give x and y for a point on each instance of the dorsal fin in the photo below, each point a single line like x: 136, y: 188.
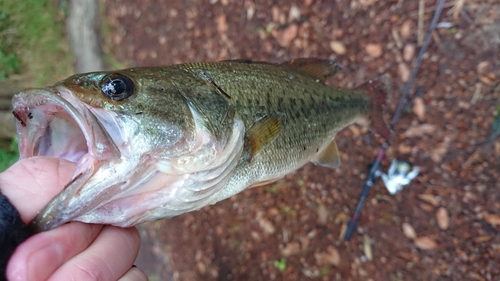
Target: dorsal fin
x: 328, y: 156
x: 321, y: 69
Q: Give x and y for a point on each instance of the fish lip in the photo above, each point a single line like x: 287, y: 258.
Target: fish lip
x: 99, y: 144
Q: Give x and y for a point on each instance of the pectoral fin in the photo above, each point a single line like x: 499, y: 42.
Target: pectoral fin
x: 328, y: 157
x: 265, y: 182
x: 263, y: 132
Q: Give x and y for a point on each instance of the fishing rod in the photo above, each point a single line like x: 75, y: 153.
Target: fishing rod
x: 381, y: 153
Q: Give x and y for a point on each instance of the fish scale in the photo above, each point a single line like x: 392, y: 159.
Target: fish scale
x: 327, y: 111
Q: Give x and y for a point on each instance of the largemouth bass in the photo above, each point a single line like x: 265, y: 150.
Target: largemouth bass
x: 152, y: 143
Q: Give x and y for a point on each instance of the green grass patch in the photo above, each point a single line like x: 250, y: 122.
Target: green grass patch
x: 288, y: 211
x: 280, y: 264
x: 8, y: 156
x: 394, y: 277
x: 109, y: 60
x: 235, y: 228
x: 300, y: 182
x: 325, y: 270
x: 274, y: 189
x: 495, y: 126
x: 34, y: 41
x: 234, y: 244
x: 32, y: 44
x: 9, y: 61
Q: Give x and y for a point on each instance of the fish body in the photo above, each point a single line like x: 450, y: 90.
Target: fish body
x: 158, y: 142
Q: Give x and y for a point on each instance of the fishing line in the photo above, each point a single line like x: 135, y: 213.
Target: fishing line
x: 402, y: 102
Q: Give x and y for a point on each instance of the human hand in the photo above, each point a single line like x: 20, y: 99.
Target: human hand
x: 74, y: 251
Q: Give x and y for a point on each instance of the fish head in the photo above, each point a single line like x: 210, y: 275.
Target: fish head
x: 123, y: 129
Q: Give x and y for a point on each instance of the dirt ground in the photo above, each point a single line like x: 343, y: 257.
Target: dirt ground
x: 444, y: 226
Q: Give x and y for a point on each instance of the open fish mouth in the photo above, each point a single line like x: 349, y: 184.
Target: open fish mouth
x: 52, y: 122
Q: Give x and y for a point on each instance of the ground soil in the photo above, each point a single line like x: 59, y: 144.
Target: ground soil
x: 444, y: 226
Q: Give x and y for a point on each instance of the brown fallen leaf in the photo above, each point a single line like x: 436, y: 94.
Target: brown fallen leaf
x: 255, y: 235
x: 322, y: 214
x: 288, y: 35
x: 221, y: 23
x: 332, y: 256
x: 458, y: 5
x: 426, y: 207
x: 201, y: 267
x: 409, y: 52
x: 409, y: 231
x: 290, y: 249
x: 341, y: 217
x: 311, y: 272
x: 419, y: 108
x: 474, y: 275
x: 439, y: 152
x: 464, y: 105
x: 483, y: 238
x: 343, y: 230
x: 425, y: 243
x: 265, y: 224
x: 355, y: 131
x: 483, y: 67
x: 367, y: 247
x: 338, y: 47
x: 304, y: 242
x: 406, y: 29
x: 485, y: 80
x: 366, y: 2
x: 469, y: 196
x: 493, y: 219
x: 404, y: 149
x: 497, y: 148
x: 443, y: 218
x: 429, y: 198
x: 374, y: 50
x: 294, y: 13
x: 275, y: 13
x: 418, y: 131
x: 404, y: 72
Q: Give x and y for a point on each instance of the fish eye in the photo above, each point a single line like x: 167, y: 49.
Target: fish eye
x: 117, y: 87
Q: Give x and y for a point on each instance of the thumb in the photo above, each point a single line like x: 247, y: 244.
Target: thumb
x: 31, y: 183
